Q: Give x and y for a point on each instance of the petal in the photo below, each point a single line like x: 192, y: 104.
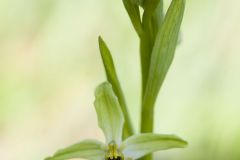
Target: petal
x: 88, y: 149
x: 140, y: 145
x: 110, y: 116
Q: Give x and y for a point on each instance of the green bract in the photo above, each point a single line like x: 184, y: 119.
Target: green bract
x: 111, y: 120
x: 113, y: 79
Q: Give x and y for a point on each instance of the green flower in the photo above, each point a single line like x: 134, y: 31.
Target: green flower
x: 111, y: 120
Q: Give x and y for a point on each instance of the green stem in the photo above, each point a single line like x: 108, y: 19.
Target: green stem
x: 152, y: 20
x: 151, y: 23
x: 147, y: 121
x: 145, y: 54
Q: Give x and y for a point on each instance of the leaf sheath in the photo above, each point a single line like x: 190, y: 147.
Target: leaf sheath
x: 161, y: 59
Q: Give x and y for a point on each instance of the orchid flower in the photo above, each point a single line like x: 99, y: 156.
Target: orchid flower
x: 111, y: 121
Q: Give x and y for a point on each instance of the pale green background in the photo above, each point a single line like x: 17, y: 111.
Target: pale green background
x: 50, y: 65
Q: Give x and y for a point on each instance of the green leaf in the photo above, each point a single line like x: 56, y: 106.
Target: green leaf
x: 152, y: 20
x: 113, y: 79
x: 110, y: 117
x: 157, y: 18
x: 150, y: 5
x: 161, y: 59
x: 134, y: 14
x: 152, y: 17
x: 89, y: 149
x: 140, y: 145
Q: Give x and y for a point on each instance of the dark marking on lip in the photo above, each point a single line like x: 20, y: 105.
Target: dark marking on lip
x: 118, y: 158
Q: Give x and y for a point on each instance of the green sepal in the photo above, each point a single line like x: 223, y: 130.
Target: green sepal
x: 88, y: 149
x: 140, y: 145
x: 109, y: 113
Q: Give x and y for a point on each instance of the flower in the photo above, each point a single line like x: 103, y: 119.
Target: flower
x: 111, y: 121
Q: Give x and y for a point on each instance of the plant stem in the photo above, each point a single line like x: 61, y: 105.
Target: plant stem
x: 151, y: 22
x: 147, y: 122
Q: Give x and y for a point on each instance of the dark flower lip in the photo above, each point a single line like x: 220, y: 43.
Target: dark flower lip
x: 118, y: 158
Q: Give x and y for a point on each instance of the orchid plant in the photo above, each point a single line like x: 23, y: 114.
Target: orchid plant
x: 111, y: 120
x: 159, y: 37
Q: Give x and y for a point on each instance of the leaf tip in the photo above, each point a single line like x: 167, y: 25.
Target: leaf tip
x: 100, y: 39
x: 183, y: 142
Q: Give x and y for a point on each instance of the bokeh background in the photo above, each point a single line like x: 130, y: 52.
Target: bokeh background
x: 50, y: 66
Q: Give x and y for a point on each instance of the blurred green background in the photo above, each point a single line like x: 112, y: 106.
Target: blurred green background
x: 50, y: 66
